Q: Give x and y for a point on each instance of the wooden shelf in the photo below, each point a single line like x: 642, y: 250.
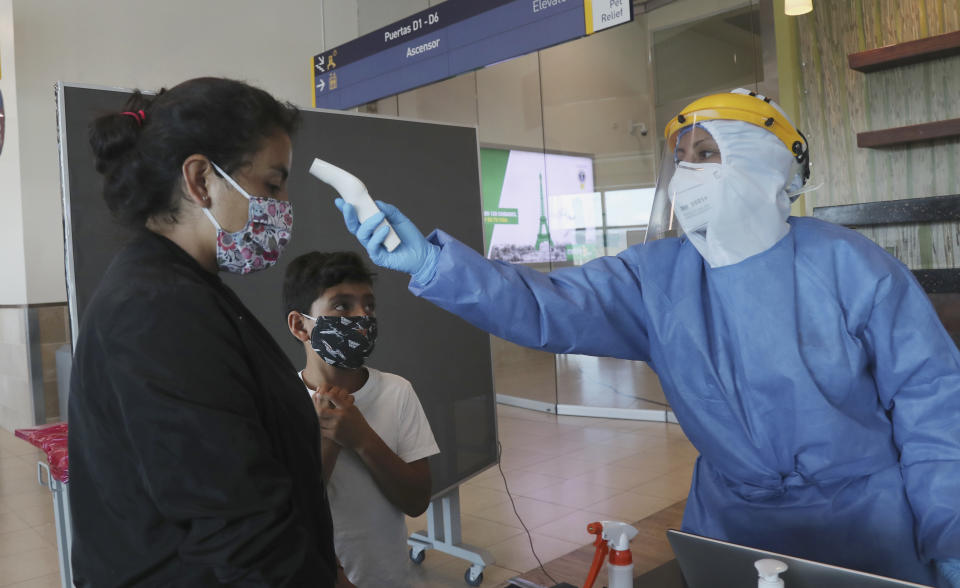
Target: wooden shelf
x: 906, y: 53
x: 911, y: 134
x: 929, y: 209
x: 939, y: 281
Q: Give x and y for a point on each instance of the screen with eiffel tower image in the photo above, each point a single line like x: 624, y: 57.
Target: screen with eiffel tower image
x: 537, y: 207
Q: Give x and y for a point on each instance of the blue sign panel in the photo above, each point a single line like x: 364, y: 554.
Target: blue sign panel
x: 449, y: 39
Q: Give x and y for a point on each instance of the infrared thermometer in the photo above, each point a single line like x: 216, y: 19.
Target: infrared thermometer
x: 352, y: 190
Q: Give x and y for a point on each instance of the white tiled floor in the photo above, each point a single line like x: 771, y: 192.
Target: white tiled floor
x: 28, y: 548
x: 563, y: 472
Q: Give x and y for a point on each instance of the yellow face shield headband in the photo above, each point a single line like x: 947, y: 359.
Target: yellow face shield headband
x: 742, y: 107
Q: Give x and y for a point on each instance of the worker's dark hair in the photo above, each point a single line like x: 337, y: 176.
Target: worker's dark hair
x: 140, y: 150
x: 309, y: 275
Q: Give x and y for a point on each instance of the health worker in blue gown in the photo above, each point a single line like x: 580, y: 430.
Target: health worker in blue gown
x: 805, y: 364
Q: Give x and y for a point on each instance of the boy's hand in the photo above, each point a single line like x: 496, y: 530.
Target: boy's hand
x: 340, y: 420
x: 321, y: 397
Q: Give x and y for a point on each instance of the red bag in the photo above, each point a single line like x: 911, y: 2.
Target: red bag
x: 52, y: 439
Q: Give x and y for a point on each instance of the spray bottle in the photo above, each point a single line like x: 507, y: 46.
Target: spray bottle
x: 770, y: 570
x: 613, y: 537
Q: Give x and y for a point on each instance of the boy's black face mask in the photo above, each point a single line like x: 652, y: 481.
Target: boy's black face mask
x: 344, y: 341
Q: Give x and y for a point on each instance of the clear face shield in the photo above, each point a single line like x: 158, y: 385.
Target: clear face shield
x: 692, y: 155
x: 699, y: 186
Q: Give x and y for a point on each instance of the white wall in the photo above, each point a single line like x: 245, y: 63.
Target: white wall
x: 339, y: 22
x: 373, y: 14
x: 13, y: 286
x: 128, y: 43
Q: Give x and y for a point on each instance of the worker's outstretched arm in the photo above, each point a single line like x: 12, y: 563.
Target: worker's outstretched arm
x: 595, y: 309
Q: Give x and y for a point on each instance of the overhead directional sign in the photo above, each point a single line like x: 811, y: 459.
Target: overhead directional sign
x: 451, y: 38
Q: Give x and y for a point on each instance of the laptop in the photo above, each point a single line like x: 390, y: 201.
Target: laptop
x: 707, y: 563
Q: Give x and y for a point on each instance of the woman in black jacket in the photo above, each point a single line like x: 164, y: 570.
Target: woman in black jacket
x: 194, y: 451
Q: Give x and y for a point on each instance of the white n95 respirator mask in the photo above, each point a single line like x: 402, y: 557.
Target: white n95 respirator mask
x: 737, y: 208
x: 694, y: 190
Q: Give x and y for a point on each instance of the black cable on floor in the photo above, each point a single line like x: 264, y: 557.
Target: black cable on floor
x: 513, y: 504
x: 617, y: 392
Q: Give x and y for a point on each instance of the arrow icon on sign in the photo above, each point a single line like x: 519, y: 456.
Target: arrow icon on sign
x: 321, y: 85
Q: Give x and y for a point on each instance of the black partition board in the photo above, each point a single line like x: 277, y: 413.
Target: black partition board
x: 430, y: 171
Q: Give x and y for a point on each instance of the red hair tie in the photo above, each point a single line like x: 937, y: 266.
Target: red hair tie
x: 139, y: 116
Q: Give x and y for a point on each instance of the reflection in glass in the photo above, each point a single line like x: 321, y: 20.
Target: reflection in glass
x: 626, y: 208
x: 723, y: 51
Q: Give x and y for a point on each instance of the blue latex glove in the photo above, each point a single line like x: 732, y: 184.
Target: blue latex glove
x: 950, y: 570
x: 415, y: 255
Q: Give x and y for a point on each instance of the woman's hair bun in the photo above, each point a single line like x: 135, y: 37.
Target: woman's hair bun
x: 114, y: 136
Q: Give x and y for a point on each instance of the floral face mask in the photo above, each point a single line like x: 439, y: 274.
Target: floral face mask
x: 258, y: 245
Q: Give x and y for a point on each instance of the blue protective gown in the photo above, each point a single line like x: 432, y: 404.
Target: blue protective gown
x: 815, y: 379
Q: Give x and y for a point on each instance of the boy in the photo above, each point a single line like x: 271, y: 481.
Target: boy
x: 375, y: 436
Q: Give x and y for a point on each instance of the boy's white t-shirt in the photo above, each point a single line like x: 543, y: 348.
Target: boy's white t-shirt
x: 370, y: 534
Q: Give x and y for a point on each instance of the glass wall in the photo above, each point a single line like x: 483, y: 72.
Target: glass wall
x: 569, y: 150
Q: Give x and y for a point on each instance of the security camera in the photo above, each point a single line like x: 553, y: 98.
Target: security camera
x: 638, y: 126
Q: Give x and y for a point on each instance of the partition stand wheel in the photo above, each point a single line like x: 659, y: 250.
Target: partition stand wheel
x: 418, y: 554
x: 443, y: 534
